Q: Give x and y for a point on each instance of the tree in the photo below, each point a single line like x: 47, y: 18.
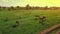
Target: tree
x: 12, y: 7
x: 17, y: 7
x: 0, y: 7
x: 46, y: 7
x: 28, y: 7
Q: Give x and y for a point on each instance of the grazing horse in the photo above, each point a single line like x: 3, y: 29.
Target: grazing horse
x: 17, y: 23
x: 42, y: 19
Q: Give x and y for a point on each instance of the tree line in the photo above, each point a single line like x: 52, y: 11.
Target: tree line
x: 28, y: 7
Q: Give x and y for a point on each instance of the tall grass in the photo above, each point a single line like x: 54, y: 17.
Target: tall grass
x: 27, y: 23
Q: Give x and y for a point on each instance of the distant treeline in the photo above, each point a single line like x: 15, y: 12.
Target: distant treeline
x: 28, y: 7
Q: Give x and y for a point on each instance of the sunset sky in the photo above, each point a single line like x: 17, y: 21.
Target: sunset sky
x: 30, y: 2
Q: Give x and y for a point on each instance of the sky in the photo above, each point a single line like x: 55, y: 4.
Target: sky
x: 30, y: 2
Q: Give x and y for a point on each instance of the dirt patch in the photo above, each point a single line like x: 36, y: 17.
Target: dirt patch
x: 51, y: 29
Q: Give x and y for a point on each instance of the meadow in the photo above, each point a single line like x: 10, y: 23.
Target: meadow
x: 27, y: 22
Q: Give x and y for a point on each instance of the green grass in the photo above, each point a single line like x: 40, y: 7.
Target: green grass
x: 27, y: 23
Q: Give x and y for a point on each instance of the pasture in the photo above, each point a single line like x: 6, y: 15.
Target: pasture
x: 27, y: 23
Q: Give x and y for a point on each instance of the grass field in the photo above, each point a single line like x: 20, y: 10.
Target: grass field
x: 27, y: 24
